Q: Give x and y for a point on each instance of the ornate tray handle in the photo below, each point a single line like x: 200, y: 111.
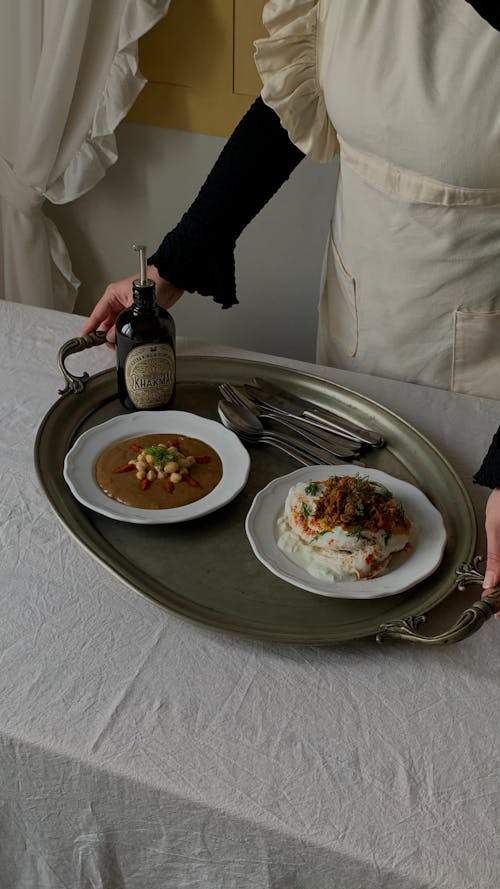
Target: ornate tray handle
x: 78, y: 344
x: 469, y: 621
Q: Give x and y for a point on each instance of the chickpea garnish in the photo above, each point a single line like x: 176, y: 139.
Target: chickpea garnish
x: 164, y: 462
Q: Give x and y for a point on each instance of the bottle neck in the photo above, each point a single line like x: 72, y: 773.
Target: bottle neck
x: 144, y: 296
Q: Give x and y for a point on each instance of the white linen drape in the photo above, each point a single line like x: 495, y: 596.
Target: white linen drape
x: 68, y: 75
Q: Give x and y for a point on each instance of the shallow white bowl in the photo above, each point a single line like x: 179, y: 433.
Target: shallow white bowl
x: 405, y: 569
x: 79, y: 464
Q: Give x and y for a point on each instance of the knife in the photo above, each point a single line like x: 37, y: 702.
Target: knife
x: 341, y: 445
x: 279, y: 398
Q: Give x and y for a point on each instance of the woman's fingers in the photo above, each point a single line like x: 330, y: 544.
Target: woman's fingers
x: 492, y: 525
x: 110, y: 336
x: 115, y: 298
x: 118, y: 296
x: 492, y: 573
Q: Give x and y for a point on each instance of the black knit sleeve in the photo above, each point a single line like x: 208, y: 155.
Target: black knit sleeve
x: 489, y: 472
x: 198, y: 254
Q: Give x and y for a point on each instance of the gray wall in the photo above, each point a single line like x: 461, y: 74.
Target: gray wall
x: 278, y: 257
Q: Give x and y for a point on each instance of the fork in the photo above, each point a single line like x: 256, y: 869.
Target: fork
x: 299, y: 452
x: 324, y: 441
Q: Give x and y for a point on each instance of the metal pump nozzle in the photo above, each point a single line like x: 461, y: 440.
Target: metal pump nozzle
x: 141, y: 250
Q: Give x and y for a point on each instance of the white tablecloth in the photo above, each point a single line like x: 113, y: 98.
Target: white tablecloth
x: 138, y: 750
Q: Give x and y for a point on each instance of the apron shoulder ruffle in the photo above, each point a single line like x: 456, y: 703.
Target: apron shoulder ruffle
x: 287, y: 62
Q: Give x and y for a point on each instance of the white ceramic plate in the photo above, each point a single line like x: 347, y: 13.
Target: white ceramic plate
x: 405, y: 569
x: 80, y: 461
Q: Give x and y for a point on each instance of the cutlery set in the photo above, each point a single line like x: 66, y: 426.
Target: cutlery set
x: 319, y: 436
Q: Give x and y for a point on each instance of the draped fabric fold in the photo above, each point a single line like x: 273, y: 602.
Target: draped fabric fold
x: 69, y: 74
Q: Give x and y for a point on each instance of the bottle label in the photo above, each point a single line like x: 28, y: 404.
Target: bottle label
x: 150, y: 375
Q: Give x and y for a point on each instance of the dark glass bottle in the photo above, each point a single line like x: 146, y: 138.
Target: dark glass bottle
x: 145, y: 349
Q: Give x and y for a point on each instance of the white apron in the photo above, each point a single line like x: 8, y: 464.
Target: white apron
x: 409, y: 92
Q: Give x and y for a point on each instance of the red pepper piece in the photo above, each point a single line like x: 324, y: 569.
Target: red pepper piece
x: 144, y: 483
x: 136, y: 448
x: 191, y: 481
x: 203, y: 458
x: 169, y: 487
x: 127, y: 467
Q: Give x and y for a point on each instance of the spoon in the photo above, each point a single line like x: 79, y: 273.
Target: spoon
x: 324, y: 441
x: 251, y: 439
x: 242, y: 421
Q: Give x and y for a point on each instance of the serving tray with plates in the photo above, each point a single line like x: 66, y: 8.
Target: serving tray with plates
x: 205, y: 569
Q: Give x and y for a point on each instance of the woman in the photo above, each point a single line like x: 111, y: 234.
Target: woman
x: 407, y: 93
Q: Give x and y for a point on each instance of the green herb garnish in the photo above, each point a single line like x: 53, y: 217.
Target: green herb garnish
x: 161, y: 454
x: 305, y: 510
x: 320, y: 534
x: 384, y: 492
x: 356, y: 532
x: 312, y: 489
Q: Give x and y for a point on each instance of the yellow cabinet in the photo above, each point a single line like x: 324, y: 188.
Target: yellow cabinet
x: 199, y: 64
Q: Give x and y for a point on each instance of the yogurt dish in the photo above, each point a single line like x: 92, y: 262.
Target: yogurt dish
x: 343, y: 527
x: 283, y: 521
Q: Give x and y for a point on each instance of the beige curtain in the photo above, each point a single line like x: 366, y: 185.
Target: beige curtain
x: 68, y: 75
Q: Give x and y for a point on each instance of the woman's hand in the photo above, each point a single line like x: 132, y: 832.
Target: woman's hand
x: 492, y: 573
x: 118, y: 296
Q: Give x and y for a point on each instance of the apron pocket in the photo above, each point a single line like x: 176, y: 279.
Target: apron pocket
x: 342, y: 308
x: 476, y: 353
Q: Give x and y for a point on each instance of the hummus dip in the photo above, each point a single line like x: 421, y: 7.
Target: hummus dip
x: 158, y: 471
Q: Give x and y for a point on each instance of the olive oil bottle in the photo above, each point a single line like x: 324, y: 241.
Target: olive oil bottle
x: 145, y: 348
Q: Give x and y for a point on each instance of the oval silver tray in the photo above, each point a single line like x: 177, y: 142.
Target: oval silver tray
x: 205, y: 570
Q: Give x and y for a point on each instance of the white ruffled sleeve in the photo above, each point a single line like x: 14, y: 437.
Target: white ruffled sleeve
x: 119, y: 89
x: 287, y: 62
